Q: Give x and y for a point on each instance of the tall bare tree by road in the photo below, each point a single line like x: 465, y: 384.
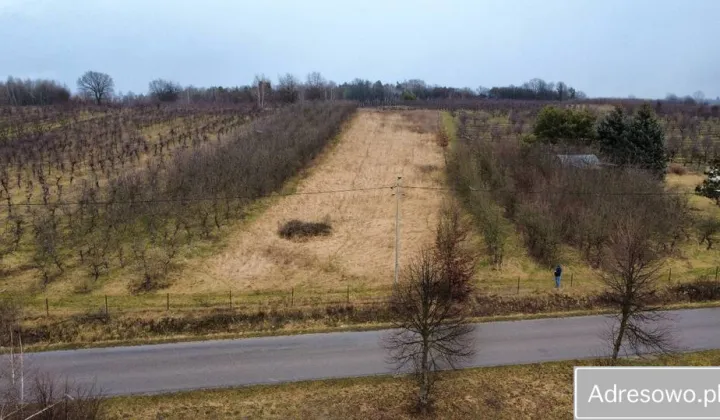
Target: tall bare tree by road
x: 633, y: 259
x: 430, y: 327
x: 99, y: 86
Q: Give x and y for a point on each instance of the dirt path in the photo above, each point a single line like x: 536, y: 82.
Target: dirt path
x: 375, y: 149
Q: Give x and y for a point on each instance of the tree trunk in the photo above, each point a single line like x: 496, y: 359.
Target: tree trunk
x: 424, y: 397
x: 621, y: 333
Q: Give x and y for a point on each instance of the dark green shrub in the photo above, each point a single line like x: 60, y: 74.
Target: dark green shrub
x: 633, y: 140
x: 564, y: 125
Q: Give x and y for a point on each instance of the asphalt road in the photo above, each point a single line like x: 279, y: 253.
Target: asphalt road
x: 225, y: 363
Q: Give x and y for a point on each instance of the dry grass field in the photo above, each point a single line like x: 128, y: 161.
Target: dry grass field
x: 375, y: 149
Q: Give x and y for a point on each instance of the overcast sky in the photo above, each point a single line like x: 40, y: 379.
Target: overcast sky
x: 645, y: 48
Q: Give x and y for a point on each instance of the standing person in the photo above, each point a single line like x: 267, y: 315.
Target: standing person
x: 558, y: 276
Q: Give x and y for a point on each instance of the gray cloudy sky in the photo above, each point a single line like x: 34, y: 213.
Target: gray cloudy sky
x: 646, y: 48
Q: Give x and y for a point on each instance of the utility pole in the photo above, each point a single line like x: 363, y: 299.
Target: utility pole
x: 397, y: 229
x: 22, y: 372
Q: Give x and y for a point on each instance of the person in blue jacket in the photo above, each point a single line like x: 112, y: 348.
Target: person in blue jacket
x: 558, y: 276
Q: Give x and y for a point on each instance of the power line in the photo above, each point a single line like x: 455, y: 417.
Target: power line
x: 200, y: 199
x: 637, y: 193
x: 346, y: 190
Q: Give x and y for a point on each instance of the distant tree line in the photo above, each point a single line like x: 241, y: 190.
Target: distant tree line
x: 98, y: 87
x: 18, y: 92
x: 698, y: 97
x: 537, y: 89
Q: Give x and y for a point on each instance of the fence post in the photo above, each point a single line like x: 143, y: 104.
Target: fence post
x: 230, y: 299
x: 670, y: 276
x: 106, y: 306
x: 167, y: 302
x: 348, y: 293
x: 47, y: 307
x: 518, y: 286
x: 571, y: 278
x: 292, y: 297
x: 716, y: 273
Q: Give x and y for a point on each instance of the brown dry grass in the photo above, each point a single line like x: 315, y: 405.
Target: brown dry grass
x: 376, y: 148
x: 677, y: 169
x: 540, y: 391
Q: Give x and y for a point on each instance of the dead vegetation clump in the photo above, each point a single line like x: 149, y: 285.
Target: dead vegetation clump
x: 701, y: 290
x: 677, y: 169
x: 442, y: 139
x: 44, y: 397
x: 297, y: 229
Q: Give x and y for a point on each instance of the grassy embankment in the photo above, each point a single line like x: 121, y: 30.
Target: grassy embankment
x: 536, y: 391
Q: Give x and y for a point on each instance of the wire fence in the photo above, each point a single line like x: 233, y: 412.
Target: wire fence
x: 304, y: 299
x: 179, y: 302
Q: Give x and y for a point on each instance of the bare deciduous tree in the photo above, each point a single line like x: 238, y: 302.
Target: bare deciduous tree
x: 430, y: 327
x: 288, y: 88
x: 708, y: 227
x: 53, y: 399
x: 456, y: 262
x: 633, y: 261
x: 10, y: 311
x: 331, y: 90
x: 98, y: 85
x: 707, y: 145
x: 262, y: 86
x: 315, y: 86
x: 164, y: 90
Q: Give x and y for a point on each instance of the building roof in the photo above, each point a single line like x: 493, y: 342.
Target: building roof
x: 579, y: 161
